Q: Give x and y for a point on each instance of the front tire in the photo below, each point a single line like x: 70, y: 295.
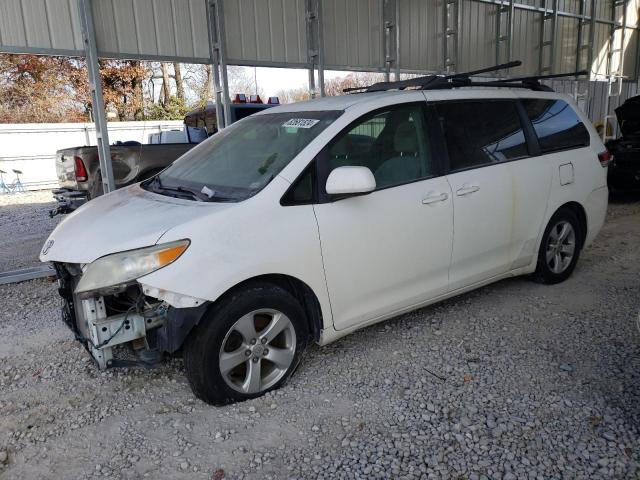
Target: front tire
x: 560, y: 248
x: 249, y: 343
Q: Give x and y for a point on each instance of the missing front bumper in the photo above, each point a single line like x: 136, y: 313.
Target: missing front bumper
x: 150, y: 326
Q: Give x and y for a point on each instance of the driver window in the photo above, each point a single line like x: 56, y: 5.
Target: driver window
x: 391, y: 143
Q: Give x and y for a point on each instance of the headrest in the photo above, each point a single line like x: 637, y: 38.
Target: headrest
x: 405, y: 139
x: 342, y: 147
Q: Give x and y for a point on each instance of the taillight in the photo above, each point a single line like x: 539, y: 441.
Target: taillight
x: 81, y: 171
x: 605, y: 158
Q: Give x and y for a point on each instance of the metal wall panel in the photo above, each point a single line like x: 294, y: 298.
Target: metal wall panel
x: 566, y: 44
x: 154, y: 29
x: 478, y: 35
x: 421, y: 25
x: 526, y: 28
x: 40, y: 26
x: 265, y: 32
x: 353, y: 33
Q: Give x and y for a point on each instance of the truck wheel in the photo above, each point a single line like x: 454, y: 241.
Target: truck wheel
x: 97, y: 189
x: 248, y: 343
x: 559, y: 249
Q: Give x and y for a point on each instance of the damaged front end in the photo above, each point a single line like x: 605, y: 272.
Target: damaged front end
x: 125, y: 315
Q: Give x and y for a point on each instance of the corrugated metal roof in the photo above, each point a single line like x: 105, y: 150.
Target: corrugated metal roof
x: 273, y: 32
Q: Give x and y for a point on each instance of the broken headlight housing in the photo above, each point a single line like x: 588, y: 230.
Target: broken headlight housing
x: 119, y: 269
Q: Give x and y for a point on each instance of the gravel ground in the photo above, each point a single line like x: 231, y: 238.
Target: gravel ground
x: 25, y: 226
x: 516, y: 380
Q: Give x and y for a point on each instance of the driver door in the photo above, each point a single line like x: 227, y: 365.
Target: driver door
x: 388, y: 250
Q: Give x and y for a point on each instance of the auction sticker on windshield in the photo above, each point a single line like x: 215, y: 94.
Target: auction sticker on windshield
x: 300, y: 122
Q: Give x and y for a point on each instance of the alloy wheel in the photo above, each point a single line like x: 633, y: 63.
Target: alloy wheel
x: 561, y: 246
x: 257, y: 351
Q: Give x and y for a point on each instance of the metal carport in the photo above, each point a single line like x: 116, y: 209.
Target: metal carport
x: 389, y: 36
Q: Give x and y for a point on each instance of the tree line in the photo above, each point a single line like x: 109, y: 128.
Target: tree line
x: 38, y: 89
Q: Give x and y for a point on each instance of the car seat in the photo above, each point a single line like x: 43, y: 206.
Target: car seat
x: 405, y: 165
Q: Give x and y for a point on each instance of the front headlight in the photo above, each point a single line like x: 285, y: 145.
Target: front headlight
x: 125, y: 267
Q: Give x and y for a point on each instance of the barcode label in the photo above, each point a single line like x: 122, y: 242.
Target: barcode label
x: 300, y: 122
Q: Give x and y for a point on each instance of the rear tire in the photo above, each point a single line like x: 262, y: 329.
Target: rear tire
x: 248, y: 343
x: 560, y: 248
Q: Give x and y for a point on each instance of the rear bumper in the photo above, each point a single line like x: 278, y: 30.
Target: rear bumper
x: 68, y: 200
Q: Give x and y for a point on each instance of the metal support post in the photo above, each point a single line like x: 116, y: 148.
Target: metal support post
x: 450, y: 43
x: 504, y: 33
x: 389, y: 39
x: 311, y: 13
x: 615, y: 67
x: 397, y: 45
x: 548, y: 37
x: 320, y: 49
x: 214, y: 55
x: 223, y: 62
x: 97, y: 100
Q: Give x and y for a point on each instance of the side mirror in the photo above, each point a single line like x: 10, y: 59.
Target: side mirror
x: 350, y: 181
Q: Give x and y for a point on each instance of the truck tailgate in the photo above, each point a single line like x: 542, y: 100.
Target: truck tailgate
x: 65, y: 169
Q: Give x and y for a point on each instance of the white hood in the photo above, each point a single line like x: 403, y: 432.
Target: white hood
x: 122, y: 220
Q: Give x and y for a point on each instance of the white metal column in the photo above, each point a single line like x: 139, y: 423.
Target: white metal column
x: 548, y: 37
x: 222, y: 52
x: 450, y: 44
x: 615, y: 66
x: 97, y: 100
x: 504, y: 33
x: 214, y: 54
x: 389, y: 38
x: 313, y: 45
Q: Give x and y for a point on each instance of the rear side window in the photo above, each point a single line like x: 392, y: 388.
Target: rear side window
x: 481, y: 133
x: 556, y: 125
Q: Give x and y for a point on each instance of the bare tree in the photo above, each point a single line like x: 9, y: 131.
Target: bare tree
x: 335, y: 86
x: 293, y: 95
x: 166, y: 87
x: 177, y: 72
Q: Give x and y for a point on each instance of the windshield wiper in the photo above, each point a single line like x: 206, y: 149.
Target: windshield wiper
x: 183, y: 191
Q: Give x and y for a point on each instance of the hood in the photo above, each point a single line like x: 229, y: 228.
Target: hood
x: 628, y: 115
x: 126, y: 219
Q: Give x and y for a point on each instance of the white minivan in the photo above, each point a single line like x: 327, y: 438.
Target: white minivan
x: 308, y: 221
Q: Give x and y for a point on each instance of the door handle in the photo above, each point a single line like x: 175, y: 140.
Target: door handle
x: 467, y: 190
x: 429, y: 199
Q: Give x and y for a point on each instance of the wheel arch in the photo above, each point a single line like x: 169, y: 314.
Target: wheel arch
x: 581, y: 213
x: 302, y: 292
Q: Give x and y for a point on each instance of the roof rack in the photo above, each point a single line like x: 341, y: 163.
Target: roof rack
x: 428, y: 81
x: 437, y: 82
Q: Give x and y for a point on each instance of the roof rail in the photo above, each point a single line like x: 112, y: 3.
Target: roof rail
x: 438, y: 82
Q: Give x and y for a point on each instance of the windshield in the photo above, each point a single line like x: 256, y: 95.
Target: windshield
x: 240, y: 160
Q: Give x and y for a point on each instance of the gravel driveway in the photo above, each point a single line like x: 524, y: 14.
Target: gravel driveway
x: 25, y: 225
x: 516, y: 380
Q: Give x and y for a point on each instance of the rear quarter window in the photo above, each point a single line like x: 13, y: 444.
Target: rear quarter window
x: 556, y: 124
